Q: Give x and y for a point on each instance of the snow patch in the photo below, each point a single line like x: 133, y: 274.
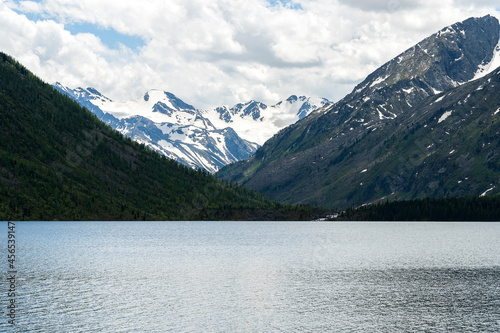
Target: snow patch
x: 379, y: 80
x: 438, y: 100
x: 361, y: 89
x: 486, y: 192
x: 447, y: 30
x: 487, y: 68
x: 496, y: 111
x: 444, y: 116
x: 365, y: 170
x: 466, y: 99
x: 381, y: 115
x: 409, y: 91
x: 437, y: 92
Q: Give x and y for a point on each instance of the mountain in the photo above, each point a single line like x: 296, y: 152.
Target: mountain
x: 58, y: 161
x: 399, y: 134
x: 167, y: 124
x: 199, y: 139
x: 255, y: 121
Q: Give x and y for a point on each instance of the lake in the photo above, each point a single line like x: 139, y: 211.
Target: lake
x: 254, y: 277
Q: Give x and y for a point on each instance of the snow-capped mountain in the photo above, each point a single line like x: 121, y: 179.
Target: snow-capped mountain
x: 257, y: 122
x: 165, y: 123
x: 200, y: 139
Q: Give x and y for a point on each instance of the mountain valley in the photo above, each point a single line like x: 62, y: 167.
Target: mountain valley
x: 424, y: 125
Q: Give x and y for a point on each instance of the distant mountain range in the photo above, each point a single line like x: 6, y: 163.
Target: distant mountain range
x: 425, y: 124
x: 199, y: 139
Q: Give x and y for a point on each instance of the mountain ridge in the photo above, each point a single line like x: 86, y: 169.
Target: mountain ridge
x: 259, y: 122
x: 312, y: 160
x: 196, y: 138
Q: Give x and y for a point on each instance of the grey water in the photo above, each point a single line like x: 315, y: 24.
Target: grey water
x: 254, y: 277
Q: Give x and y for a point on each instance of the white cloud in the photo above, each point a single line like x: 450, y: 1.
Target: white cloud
x: 381, y: 5
x: 213, y: 53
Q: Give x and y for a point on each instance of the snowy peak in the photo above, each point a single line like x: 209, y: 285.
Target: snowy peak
x: 200, y: 139
x: 82, y: 93
x: 292, y: 99
x: 167, y: 124
x: 257, y: 122
x: 156, y: 105
x: 252, y: 109
x: 168, y: 100
x: 444, y: 60
x: 302, y: 106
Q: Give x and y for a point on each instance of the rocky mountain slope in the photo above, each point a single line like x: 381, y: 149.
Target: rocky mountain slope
x: 199, y: 139
x: 399, y: 134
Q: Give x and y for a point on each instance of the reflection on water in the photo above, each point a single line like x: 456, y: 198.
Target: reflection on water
x: 257, y: 277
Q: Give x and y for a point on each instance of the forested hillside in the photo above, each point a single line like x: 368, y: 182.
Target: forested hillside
x: 429, y: 209
x: 59, y: 162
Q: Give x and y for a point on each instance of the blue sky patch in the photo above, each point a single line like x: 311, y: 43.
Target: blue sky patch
x: 110, y: 37
x: 287, y: 3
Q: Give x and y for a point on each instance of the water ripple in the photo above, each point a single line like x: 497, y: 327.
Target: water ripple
x: 257, y: 277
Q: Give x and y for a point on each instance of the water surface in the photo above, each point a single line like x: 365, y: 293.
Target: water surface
x: 256, y: 277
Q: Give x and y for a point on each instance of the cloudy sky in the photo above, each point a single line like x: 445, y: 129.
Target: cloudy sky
x: 220, y: 52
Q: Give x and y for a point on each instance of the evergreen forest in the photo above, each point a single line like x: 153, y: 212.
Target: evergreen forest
x: 429, y: 209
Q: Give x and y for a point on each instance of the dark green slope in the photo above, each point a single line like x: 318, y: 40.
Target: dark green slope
x: 58, y: 161
x: 429, y: 209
